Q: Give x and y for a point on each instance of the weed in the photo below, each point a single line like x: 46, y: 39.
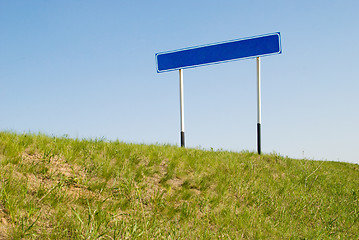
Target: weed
x: 62, y: 188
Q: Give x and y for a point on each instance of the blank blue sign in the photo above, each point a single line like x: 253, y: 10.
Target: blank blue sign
x: 219, y: 52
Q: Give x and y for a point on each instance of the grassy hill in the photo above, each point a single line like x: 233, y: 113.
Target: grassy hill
x: 62, y: 188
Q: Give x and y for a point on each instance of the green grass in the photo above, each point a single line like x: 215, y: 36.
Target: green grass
x: 61, y: 188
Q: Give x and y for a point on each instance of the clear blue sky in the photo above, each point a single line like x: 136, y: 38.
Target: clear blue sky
x: 87, y: 69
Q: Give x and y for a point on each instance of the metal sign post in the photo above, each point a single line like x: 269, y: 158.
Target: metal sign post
x: 181, y: 106
x: 259, y: 105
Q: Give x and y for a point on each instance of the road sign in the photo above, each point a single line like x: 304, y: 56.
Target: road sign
x: 219, y: 52
x: 252, y: 47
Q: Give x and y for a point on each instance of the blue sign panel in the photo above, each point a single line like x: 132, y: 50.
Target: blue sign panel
x: 219, y: 52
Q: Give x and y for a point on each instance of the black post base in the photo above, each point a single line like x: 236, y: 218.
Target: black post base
x: 182, y: 139
x: 259, y: 138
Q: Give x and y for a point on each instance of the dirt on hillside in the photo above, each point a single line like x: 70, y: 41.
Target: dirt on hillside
x: 4, y: 222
